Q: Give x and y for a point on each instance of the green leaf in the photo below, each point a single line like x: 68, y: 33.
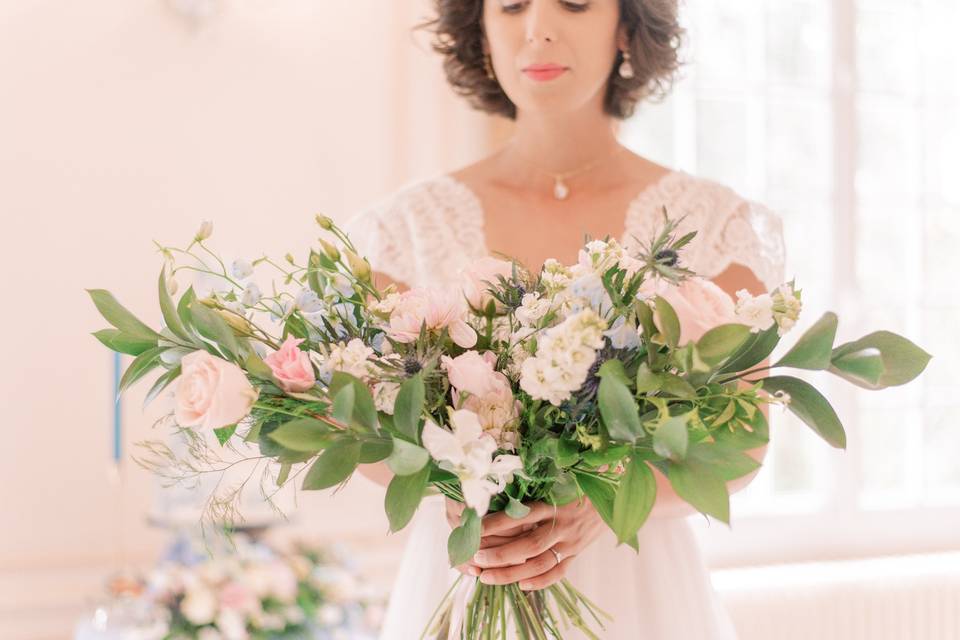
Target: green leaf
x: 754, y: 350
x: 677, y: 386
x: 516, y: 509
x: 224, y: 433
x: 183, y: 307
x: 619, y: 410
x: 169, y: 311
x: 334, y: 465
x: 634, y: 499
x: 645, y: 318
x: 464, y: 541
x: 162, y: 383
x: 647, y: 381
x: 118, y: 316
x: 613, y: 367
x: 375, y: 451
x: 342, y: 410
x: 902, y: 359
x: 214, y: 328
x: 601, y: 495
x: 741, y: 439
x: 409, y: 405
x: 722, y: 342
x: 667, y: 321
x: 607, y: 455
x: 303, y: 434
x: 864, y: 368
x: 117, y: 340
x: 407, y: 458
x: 727, y: 462
x: 284, y: 473
x: 700, y: 486
x: 141, y: 366
x: 403, y: 497
x: 256, y: 367
x: 813, y: 349
x: 811, y: 406
x: 564, y: 489
x: 671, y: 437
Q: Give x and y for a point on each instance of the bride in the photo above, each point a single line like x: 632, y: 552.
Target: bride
x: 565, y: 71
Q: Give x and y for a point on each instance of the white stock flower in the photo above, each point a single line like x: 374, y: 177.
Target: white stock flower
x: 564, y: 356
x: 352, y: 358
x: 786, y: 307
x: 532, y: 308
x: 468, y: 452
x: 754, y: 311
x: 199, y: 606
x: 385, y: 395
x: 623, y: 334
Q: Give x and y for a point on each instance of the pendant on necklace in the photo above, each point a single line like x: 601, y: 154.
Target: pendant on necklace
x: 560, y: 189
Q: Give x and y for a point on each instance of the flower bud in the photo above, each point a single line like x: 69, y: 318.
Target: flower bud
x: 171, y: 285
x: 204, y: 232
x: 290, y: 259
x: 332, y: 252
x: 324, y: 222
x: 359, y: 266
x: 237, y: 322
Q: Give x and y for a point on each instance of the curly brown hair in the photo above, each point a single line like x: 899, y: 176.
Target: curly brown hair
x: 654, y: 34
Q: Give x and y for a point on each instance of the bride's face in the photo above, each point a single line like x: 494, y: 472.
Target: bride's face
x: 552, y: 55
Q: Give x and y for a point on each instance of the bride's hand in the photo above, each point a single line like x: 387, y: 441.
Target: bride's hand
x: 527, y: 557
x: 506, y: 534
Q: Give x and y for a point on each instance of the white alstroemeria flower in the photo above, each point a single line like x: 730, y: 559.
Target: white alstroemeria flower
x: 251, y: 294
x: 623, y: 334
x: 308, y: 301
x: 339, y: 283
x: 241, y: 269
x: 468, y: 452
x: 754, y: 311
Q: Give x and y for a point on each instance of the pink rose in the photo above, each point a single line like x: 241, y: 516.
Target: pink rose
x: 211, y: 392
x: 479, y: 276
x: 238, y: 597
x: 700, y: 305
x: 291, y: 366
x: 438, y: 309
x: 474, y: 373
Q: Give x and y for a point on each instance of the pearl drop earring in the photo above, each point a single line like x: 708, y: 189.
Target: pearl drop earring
x: 626, y: 69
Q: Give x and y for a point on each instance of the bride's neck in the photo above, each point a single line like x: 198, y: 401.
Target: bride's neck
x: 556, y: 145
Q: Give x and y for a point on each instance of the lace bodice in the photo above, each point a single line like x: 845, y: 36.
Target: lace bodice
x: 428, y: 230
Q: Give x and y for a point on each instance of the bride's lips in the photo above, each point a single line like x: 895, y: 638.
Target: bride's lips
x: 544, y: 72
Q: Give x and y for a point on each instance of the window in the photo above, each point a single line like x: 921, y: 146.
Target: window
x: 845, y: 118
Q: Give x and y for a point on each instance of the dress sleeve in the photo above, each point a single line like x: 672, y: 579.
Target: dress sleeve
x: 382, y: 235
x: 750, y: 234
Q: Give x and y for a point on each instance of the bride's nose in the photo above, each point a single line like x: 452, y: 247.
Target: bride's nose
x: 540, y: 22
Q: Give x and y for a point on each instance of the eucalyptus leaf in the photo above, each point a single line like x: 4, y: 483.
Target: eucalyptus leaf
x: 407, y: 458
x: 864, y: 368
x: 117, y: 315
x: 619, y: 410
x: 333, y: 465
x: 754, y: 350
x: 902, y: 359
x: 169, y: 310
x: 303, y: 434
x: 813, y: 349
x: 647, y: 381
x: 677, y: 386
x: 409, y: 406
x: 634, y: 500
x: 161, y: 383
x: 214, y: 328
x: 120, y: 342
x: 141, y: 366
x: 375, y: 450
x: 727, y: 462
x: 700, y: 486
x: 516, y: 509
x: 404, y: 494
x: 464, y: 541
x: 811, y: 406
x: 722, y: 342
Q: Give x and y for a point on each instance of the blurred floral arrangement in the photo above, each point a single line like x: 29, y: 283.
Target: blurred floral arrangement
x: 256, y: 593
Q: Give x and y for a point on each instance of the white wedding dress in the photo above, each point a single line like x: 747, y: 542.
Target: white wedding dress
x: 423, y: 235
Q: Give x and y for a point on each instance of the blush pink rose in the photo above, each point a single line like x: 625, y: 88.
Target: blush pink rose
x: 291, y: 366
x: 700, y: 304
x: 479, y: 276
x: 238, y: 597
x: 437, y: 308
x: 211, y: 393
x: 474, y: 373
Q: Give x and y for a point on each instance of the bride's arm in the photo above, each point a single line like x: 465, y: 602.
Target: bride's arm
x: 669, y: 504
x: 379, y: 472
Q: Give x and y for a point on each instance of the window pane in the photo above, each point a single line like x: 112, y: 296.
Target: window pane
x: 883, y: 255
x: 721, y: 43
x: 884, y: 449
x: 887, y: 53
x: 799, y: 151
x: 721, y: 141
x: 798, y: 44
x: 888, y: 158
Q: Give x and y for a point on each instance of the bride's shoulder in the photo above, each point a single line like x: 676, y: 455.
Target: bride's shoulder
x: 412, y: 201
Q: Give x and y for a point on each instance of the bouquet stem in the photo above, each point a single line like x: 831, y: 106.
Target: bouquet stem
x: 471, y: 610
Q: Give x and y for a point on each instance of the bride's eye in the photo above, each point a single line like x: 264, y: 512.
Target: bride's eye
x: 575, y: 6
x: 512, y: 7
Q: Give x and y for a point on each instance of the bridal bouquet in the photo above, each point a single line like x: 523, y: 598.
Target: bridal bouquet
x: 571, y: 383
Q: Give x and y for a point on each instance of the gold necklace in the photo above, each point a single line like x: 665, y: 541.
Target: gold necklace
x: 560, y: 188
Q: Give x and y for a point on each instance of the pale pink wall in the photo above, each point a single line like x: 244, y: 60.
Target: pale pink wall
x: 120, y: 124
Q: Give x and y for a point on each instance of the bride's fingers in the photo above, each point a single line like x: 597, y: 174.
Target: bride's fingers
x: 544, y: 580
x: 468, y: 569
x: 495, y: 541
x: 497, y: 523
x: 518, y: 551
